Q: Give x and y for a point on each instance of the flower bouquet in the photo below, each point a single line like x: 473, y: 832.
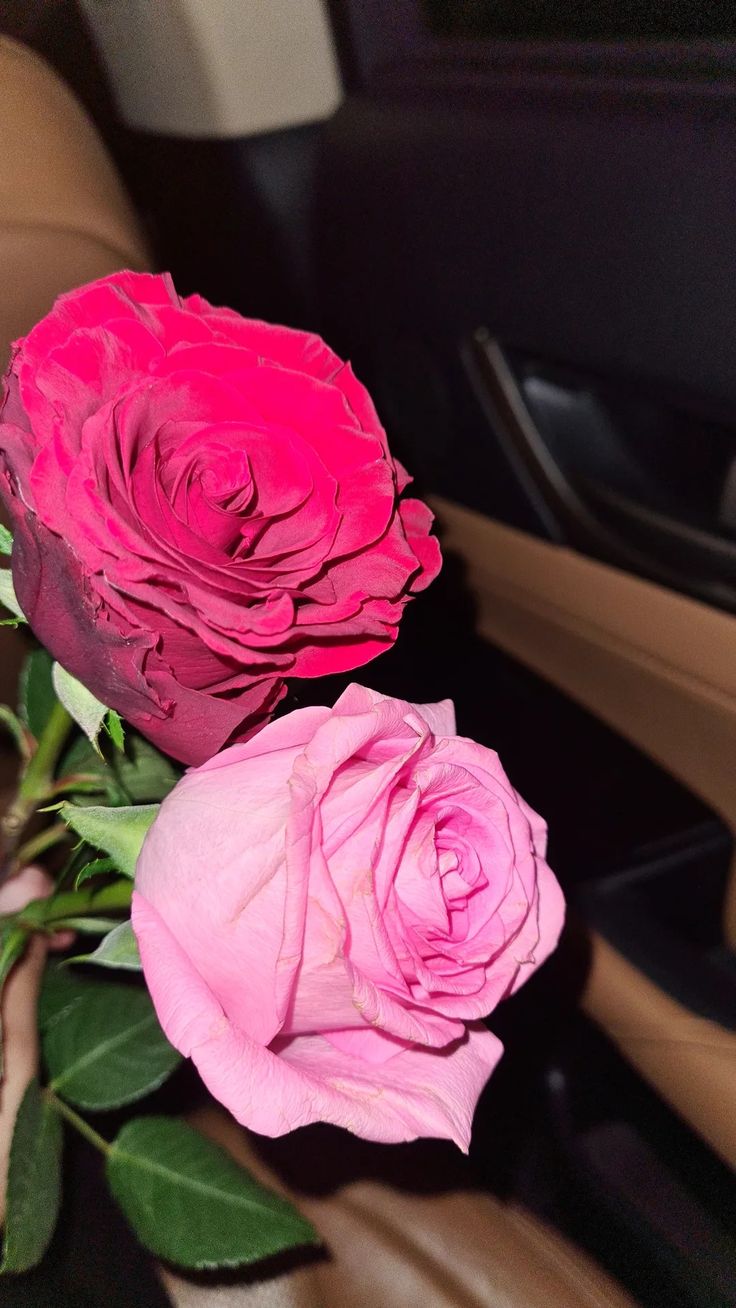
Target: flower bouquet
x: 323, y: 908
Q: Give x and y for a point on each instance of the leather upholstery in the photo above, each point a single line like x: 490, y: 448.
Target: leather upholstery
x: 64, y: 219
x: 657, y: 666
x: 64, y: 216
x: 458, y: 1249
x: 690, y: 1060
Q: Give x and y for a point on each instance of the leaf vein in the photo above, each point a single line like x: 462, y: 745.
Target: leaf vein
x: 191, y: 1183
x: 100, y: 1050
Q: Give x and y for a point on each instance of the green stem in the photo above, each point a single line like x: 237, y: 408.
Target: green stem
x: 45, y: 839
x: 88, y: 901
x: 77, y: 1122
x: 40, y: 771
x: 35, y: 783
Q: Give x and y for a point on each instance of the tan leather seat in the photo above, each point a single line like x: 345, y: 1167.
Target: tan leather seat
x: 64, y: 220
x: 660, y: 668
x: 389, y: 1249
x: 64, y: 216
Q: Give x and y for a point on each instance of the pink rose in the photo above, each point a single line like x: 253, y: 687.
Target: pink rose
x: 325, y: 913
x: 203, y: 505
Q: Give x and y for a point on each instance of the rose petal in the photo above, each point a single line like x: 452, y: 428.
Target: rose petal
x: 243, y: 939
x: 303, y: 1080
x: 222, y: 492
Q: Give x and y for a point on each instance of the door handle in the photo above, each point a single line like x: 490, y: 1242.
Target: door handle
x: 583, y: 510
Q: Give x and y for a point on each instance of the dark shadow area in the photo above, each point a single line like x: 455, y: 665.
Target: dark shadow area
x: 571, y: 20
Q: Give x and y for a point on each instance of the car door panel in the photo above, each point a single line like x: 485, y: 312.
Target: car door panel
x: 576, y: 204
x: 663, y: 674
x: 657, y: 666
x: 689, y: 1060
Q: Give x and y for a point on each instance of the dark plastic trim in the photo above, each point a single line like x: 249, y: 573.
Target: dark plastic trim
x: 698, y: 563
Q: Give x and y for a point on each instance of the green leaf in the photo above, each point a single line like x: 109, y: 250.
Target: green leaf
x: 12, y: 943
x: 119, y: 949
x: 34, y: 1182
x: 96, y: 868
x: 8, y: 596
x: 88, y: 712
x: 59, y: 991
x: 190, y: 1203
x: 118, y: 831
x: 140, y: 775
x: 6, y: 540
x: 102, y: 1042
x: 88, y: 901
x: 115, y: 730
x: 76, y: 785
x: 144, y: 774
x: 36, y: 691
x: 96, y: 926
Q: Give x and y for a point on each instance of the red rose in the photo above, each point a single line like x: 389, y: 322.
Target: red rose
x: 203, y: 505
